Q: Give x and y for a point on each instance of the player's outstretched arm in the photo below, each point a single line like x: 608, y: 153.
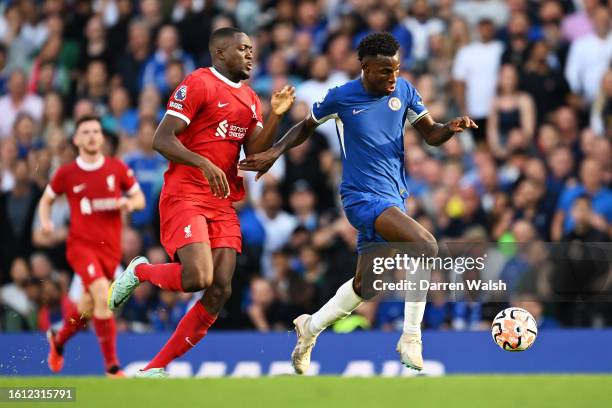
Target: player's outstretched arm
x: 261, y: 162
x: 168, y: 145
x: 261, y: 139
x: 437, y: 133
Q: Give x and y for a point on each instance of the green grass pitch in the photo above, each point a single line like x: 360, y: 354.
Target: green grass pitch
x: 292, y: 392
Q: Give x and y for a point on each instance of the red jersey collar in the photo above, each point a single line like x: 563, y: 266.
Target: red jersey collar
x: 225, y: 79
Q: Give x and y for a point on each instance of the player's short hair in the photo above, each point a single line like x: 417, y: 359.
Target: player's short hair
x: 222, y: 33
x: 377, y: 44
x: 86, y: 118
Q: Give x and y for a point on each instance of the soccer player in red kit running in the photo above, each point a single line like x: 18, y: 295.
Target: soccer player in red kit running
x: 94, y: 185
x: 209, y: 117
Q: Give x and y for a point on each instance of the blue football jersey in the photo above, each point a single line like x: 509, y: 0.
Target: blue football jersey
x: 371, y: 133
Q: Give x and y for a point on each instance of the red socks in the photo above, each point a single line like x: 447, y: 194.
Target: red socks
x: 166, y: 276
x: 190, y: 330
x: 73, y: 322
x: 107, y: 337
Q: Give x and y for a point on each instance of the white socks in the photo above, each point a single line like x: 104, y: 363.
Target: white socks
x: 338, y: 307
x: 346, y: 300
x: 413, y: 316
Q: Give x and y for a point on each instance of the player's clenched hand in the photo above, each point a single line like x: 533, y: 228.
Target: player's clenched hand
x: 125, y: 204
x: 259, y: 162
x: 216, y: 179
x: 457, y: 125
x: 282, y: 100
x: 47, y: 227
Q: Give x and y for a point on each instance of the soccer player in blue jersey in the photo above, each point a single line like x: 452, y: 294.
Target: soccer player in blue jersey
x: 370, y: 114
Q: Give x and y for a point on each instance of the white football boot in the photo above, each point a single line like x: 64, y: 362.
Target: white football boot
x: 300, y: 358
x: 410, y: 349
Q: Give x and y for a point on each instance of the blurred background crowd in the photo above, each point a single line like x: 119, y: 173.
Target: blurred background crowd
x: 536, y: 75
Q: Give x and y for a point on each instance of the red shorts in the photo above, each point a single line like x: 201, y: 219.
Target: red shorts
x: 91, y: 262
x: 185, y: 222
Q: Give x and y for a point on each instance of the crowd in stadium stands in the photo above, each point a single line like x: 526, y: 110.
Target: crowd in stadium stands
x: 536, y: 76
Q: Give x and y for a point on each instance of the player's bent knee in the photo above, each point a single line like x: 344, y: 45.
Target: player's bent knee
x: 197, y: 277
x: 220, y: 293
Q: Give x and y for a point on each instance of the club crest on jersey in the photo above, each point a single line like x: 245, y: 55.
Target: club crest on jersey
x: 181, y: 93
x: 395, y: 104
x: 110, y: 182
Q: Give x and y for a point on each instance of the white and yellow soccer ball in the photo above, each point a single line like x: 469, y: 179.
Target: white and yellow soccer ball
x: 514, y: 329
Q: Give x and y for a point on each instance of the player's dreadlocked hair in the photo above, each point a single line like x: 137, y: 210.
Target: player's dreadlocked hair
x: 377, y: 44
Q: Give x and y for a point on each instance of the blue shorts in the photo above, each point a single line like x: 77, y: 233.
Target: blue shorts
x: 362, y: 210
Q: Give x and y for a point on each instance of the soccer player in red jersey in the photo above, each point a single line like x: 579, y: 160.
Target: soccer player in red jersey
x: 210, y: 116
x: 95, y: 187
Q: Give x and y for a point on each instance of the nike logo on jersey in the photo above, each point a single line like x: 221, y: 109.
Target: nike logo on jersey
x: 189, y: 342
x: 222, y: 104
x: 78, y: 188
x: 356, y: 112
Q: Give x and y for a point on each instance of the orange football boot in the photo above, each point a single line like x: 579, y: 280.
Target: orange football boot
x: 55, y: 359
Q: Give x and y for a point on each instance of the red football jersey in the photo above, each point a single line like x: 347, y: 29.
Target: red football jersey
x: 220, y: 115
x: 93, y: 191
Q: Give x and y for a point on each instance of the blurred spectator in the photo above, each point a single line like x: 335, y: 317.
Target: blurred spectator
x: 276, y: 75
x: 510, y: 110
x: 379, y: 19
x: 17, y: 208
x: 12, y: 33
x: 277, y: 224
x: 590, y: 184
x: 583, y: 229
x: 148, y: 167
x: 168, y: 48
x: 95, y: 87
x: 551, y: 13
x: 16, y: 101
x: 8, y: 158
x: 422, y: 25
x: 302, y: 202
x: 130, y: 64
x: 312, y: 162
x: 589, y: 57
x: 561, y: 164
x: 265, y: 312
x: 579, y: 24
x: 18, y: 308
x: 118, y: 23
x: 170, y: 310
x: 121, y: 118
x: 601, y: 113
x: 518, y: 41
x: 54, y: 119
x: 23, y: 132
x: 131, y: 244
x: 311, y: 91
x: 194, y: 20
x: 523, y: 235
x: 475, y: 72
x: 474, y: 11
x: 96, y: 47
x: 543, y: 82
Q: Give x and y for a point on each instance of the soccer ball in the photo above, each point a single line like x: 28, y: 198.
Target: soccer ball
x: 514, y: 329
